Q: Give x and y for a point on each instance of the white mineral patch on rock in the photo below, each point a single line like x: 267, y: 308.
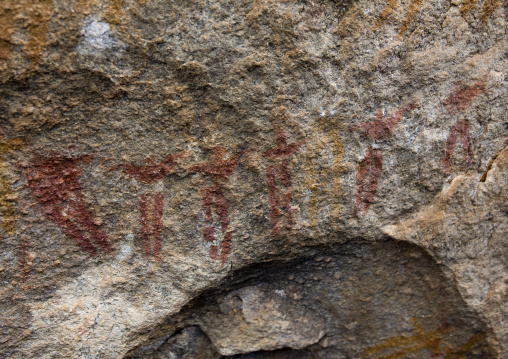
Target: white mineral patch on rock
x: 97, y: 38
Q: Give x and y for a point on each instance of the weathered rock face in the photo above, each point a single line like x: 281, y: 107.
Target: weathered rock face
x: 253, y: 179
x: 326, y: 306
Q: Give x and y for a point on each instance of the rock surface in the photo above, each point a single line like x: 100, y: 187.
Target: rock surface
x: 253, y: 179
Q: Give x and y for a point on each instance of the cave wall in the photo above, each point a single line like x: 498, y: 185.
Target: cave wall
x: 266, y: 178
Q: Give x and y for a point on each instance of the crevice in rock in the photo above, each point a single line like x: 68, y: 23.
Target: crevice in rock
x: 275, y: 354
x: 483, y: 178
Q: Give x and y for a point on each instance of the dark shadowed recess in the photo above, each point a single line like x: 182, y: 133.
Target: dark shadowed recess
x: 367, y: 300
x: 275, y: 354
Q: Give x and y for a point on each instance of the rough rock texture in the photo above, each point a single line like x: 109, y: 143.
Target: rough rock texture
x: 253, y: 179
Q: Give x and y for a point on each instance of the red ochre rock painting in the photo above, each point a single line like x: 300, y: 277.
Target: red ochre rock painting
x: 151, y: 172
x: 151, y: 205
x: 151, y: 222
x: 54, y: 182
x: 461, y: 99
x: 372, y: 163
x: 461, y: 128
x: 278, y: 171
x: 219, y: 170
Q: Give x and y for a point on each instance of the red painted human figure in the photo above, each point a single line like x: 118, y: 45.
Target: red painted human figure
x: 54, y: 182
x: 151, y: 205
x: 459, y: 101
x: 219, y: 170
x: 372, y: 162
x: 278, y: 171
x: 461, y: 128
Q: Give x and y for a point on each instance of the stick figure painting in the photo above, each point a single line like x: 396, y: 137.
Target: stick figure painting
x: 278, y: 171
x: 151, y: 204
x: 459, y: 101
x: 218, y: 169
x: 372, y: 163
